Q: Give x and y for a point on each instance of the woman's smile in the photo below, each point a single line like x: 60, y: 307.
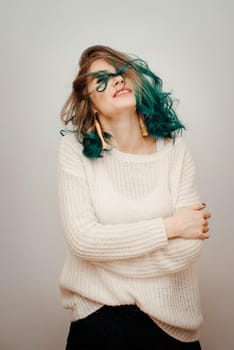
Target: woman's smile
x: 122, y: 92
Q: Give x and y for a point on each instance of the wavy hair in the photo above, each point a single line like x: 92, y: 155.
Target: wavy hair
x: 152, y: 103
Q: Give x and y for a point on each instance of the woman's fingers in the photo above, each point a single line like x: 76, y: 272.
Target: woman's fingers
x: 205, y: 223
x: 192, y: 221
x: 200, y: 206
x: 205, y: 229
x: 204, y: 236
x: 206, y: 215
x: 197, y: 206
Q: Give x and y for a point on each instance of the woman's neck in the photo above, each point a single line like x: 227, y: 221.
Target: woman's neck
x: 126, y: 134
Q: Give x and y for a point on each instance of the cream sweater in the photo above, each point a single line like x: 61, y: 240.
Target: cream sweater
x: 112, y: 211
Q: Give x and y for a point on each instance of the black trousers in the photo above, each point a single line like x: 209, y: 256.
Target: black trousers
x: 124, y: 328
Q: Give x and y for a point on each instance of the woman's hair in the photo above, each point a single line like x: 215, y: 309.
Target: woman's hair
x: 152, y: 103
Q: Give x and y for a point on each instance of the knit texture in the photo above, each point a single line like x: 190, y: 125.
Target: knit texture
x: 112, y: 211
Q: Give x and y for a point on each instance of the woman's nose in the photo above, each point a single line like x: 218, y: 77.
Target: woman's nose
x: 119, y: 80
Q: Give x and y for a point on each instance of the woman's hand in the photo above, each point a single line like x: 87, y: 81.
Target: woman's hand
x: 190, y: 222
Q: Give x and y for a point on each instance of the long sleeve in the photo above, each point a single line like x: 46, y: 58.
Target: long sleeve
x: 188, y: 193
x: 88, y: 238
x: 179, y: 253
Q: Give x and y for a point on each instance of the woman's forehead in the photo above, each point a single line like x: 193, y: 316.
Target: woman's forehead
x: 101, y: 65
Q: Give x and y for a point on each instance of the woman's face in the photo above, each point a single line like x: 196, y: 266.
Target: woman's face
x: 118, y: 94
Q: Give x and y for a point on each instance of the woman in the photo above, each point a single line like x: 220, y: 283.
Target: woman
x: 131, y: 213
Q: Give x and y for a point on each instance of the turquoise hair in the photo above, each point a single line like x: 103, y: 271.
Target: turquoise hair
x: 154, y: 104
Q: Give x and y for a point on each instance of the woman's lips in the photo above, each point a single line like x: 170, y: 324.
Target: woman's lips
x: 122, y: 91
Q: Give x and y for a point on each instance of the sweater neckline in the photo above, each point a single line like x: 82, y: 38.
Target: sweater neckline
x: 131, y: 157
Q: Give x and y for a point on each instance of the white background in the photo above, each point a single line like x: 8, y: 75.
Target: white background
x: 189, y: 44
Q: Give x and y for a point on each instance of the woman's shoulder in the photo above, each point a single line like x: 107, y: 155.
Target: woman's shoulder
x: 70, y: 141
x: 178, y: 141
x: 182, y: 148
x: 70, y: 151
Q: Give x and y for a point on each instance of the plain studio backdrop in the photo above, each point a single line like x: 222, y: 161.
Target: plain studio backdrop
x: 189, y: 44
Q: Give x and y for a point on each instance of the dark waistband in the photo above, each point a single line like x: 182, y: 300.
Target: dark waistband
x: 121, y: 309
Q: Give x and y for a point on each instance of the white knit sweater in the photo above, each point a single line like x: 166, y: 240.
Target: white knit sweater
x: 112, y: 211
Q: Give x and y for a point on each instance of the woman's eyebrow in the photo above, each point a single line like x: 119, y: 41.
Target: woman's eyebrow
x: 101, y: 72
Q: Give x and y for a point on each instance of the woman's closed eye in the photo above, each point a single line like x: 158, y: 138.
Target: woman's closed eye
x: 102, y: 81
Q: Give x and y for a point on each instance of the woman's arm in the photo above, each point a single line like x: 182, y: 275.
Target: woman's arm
x: 88, y: 238
x: 177, y: 256
x: 96, y: 242
x: 179, y: 252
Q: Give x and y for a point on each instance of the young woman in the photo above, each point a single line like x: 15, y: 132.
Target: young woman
x: 132, y: 216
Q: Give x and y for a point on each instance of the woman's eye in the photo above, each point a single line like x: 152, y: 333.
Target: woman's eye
x: 101, y: 85
x: 99, y: 81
